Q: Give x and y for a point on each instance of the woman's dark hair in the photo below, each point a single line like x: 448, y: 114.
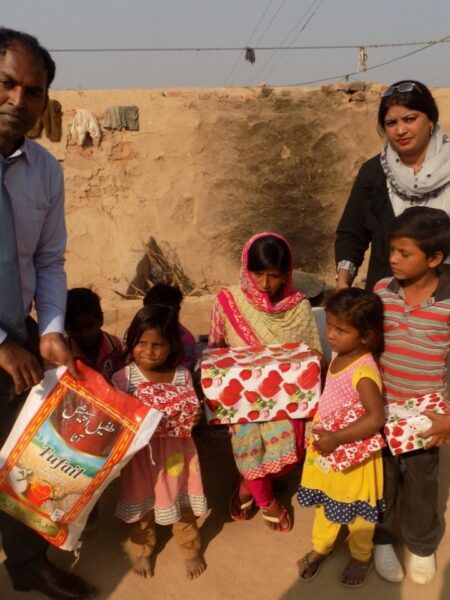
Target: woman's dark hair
x: 164, y: 294
x: 428, y: 227
x: 269, y: 252
x: 80, y: 302
x: 165, y: 320
x: 362, y: 310
x: 9, y: 37
x: 419, y: 98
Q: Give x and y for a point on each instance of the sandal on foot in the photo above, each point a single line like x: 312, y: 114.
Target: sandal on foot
x: 358, y: 570
x: 313, y: 565
x: 283, y: 519
x: 240, y: 511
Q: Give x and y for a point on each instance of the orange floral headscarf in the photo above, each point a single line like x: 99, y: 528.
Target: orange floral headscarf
x: 261, y: 300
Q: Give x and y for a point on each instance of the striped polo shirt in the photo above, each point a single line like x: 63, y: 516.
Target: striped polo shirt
x: 416, y: 339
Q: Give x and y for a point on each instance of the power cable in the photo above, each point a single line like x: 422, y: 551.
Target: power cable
x: 236, y: 48
x: 425, y: 45
x: 249, y: 40
x: 260, y: 21
x: 382, y: 64
x: 283, y: 2
x: 261, y: 69
x: 311, y: 6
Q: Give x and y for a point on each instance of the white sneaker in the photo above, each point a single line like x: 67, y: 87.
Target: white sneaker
x: 421, y: 569
x: 387, y: 564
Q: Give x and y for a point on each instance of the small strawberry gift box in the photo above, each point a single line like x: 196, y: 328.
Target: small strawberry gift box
x: 260, y: 383
x: 353, y: 453
x: 178, y: 404
x: 404, y: 421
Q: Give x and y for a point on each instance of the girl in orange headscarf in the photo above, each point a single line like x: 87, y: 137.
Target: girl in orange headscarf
x: 262, y: 310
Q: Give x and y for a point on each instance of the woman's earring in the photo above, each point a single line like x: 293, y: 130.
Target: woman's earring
x: 431, y: 130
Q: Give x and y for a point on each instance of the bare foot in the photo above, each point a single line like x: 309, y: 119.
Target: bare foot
x: 195, y: 567
x: 277, y: 517
x: 355, y: 573
x: 308, y: 566
x: 142, y: 567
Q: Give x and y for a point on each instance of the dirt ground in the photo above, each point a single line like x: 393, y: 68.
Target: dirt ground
x: 245, y: 559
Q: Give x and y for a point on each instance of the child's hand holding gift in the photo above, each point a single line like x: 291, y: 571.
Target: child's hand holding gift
x: 325, y: 442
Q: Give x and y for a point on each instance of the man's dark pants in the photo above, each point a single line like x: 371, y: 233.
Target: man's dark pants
x: 26, y: 551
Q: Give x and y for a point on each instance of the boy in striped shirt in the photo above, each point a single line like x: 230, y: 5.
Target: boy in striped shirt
x: 417, y: 341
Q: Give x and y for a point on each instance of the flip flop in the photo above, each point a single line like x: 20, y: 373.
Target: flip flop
x: 238, y: 510
x: 352, y: 569
x: 308, y: 564
x: 283, y: 517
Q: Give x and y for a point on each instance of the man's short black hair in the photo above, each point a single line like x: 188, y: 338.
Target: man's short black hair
x: 9, y: 37
x: 165, y: 295
x: 81, y: 302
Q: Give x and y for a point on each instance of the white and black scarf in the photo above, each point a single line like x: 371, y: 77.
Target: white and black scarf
x: 433, y: 177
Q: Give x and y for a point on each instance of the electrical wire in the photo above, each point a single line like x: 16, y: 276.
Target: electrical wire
x: 283, y: 2
x: 236, y: 48
x: 249, y: 41
x: 382, y: 64
x: 311, y: 7
x: 425, y: 45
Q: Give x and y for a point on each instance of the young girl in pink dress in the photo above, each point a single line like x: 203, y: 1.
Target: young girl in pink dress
x: 350, y: 412
x: 162, y: 483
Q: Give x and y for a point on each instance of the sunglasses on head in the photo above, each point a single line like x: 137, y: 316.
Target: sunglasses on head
x: 401, y: 88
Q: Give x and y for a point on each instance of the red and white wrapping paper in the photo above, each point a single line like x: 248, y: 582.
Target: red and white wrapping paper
x: 260, y: 383
x: 178, y: 404
x: 353, y: 453
x: 404, y: 421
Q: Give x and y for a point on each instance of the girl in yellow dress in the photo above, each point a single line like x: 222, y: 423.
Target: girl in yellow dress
x: 353, y: 386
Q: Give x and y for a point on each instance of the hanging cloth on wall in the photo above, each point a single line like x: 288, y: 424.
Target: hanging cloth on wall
x: 122, y: 117
x: 50, y: 122
x: 85, y: 124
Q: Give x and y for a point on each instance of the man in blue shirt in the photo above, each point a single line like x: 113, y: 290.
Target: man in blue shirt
x: 33, y: 185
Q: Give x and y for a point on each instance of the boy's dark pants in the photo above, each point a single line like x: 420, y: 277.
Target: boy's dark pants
x: 411, y: 490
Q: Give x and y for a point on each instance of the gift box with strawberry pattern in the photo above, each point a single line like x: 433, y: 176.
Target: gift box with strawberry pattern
x: 179, y: 404
x: 404, y: 421
x: 260, y: 383
x: 352, y: 453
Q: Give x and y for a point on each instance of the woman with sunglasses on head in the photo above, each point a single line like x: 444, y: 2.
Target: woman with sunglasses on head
x: 412, y: 169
